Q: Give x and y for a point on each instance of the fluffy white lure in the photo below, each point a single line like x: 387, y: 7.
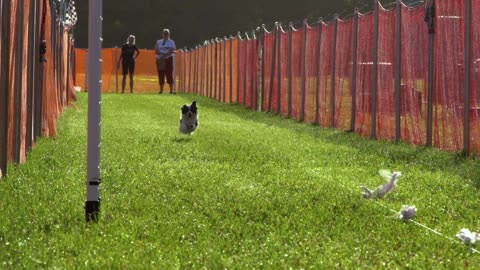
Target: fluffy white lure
x: 389, y: 186
x: 407, y: 212
x: 468, y: 237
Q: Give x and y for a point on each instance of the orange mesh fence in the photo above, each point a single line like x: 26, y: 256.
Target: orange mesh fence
x: 311, y: 73
x: 414, y: 75
x: 284, y: 66
x: 475, y: 80
x: 363, y: 123
x: 343, y: 74
x: 37, y: 90
x: 145, y: 76
x: 296, y: 72
x: 242, y: 71
x: 325, y: 83
x: 449, y: 75
x: 270, y: 66
x: 235, y: 70
x: 386, y: 74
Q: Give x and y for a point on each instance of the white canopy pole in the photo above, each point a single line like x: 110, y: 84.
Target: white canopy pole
x: 94, y: 86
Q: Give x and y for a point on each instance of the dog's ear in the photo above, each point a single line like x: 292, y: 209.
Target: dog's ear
x: 184, y: 108
x: 194, y: 104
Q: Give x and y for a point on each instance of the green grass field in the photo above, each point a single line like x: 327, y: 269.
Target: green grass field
x: 247, y: 191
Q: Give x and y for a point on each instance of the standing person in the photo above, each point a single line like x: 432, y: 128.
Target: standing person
x: 129, y: 53
x: 164, y: 49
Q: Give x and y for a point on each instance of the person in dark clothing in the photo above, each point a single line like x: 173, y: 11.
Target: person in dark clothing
x: 129, y: 53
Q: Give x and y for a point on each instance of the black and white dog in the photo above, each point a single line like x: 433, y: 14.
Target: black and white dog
x: 189, y: 118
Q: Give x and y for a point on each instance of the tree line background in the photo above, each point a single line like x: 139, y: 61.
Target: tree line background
x: 193, y: 21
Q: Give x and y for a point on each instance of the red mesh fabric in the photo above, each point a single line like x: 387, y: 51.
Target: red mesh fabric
x: 80, y: 67
x: 211, y: 89
x: 284, y: 52
x: 196, y: 56
x: 242, y: 70
x: 145, y: 77
x: 218, y: 72
x: 12, y: 75
x: 204, y: 70
x: 191, y: 55
x: 296, y: 75
x: 228, y: 70
x: 325, y: 87
x: 196, y: 80
x: 363, y: 123
x: 51, y: 111
x: 251, y: 70
x: 343, y: 75
x: 449, y: 75
x: 269, y: 72
x: 414, y: 75
x: 235, y: 74
x: 222, y: 71
x: 15, y: 79
x: 386, y: 75
x: 311, y: 71
x: 475, y: 84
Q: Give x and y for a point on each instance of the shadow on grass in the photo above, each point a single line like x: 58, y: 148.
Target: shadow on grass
x: 182, y: 139
x: 426, y: 158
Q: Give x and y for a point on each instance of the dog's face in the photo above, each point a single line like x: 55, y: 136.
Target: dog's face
x: 190, y: 111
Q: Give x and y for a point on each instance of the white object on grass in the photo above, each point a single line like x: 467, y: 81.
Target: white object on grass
x: 384, y: 189
x: 468, y: 237
x: 407, y: 212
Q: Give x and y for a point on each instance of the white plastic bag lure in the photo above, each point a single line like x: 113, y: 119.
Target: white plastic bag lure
x: 389, y: 186
x: 468, y: 237
x: 407, y: 212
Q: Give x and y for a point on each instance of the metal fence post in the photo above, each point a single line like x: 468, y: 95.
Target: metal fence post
x: 246, y: 69
x: 254, y: 79
x: 216, y: 77
x: 210, y: 69
x: 468, y: 74
x: 279, y: 68
x: 207, y: 70
x: 92, y: 204
x: 304, y: 70
x: 290, y: 72
x: 213, y: 64
x: 5, y: 85
x: 375, y: 71
x: 262, y: 67
x: 231, y: 69
x: 32, y: 30
x: 398, y: 70
x: 319, y: 71
x: 334, y: 63
x: 354, y: 71
x: 224, y: 98
x: 239, y: 37
x: 201, y: 64
x: 17, y: 109
x: 430, y: 20
x: 38, y: 74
